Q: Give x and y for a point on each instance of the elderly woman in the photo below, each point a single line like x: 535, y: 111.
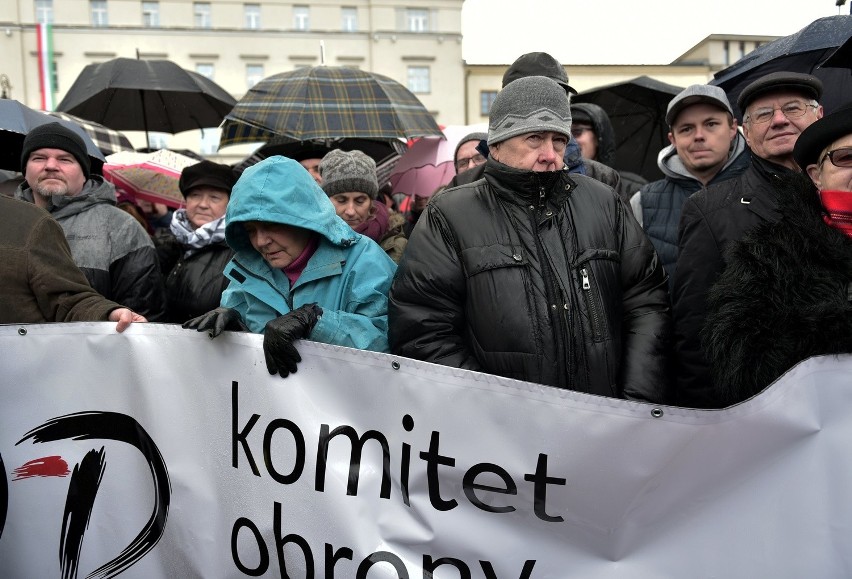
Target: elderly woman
x: 349, y: 180
x: 299, y: 270
x: 194, y: 253
x: 785, y: 293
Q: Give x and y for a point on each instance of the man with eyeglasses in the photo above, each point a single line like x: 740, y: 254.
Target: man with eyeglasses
x: 466, y: 157
x: 776, y: 109
x: 706, y: 148
x: 786, y: 293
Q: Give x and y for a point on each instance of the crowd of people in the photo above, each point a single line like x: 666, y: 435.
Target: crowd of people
x: 538, y: 261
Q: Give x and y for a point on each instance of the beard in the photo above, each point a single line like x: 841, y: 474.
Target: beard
x: 47, y: 191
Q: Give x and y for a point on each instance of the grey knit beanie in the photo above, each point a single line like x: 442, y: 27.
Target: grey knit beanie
x: 466, y: 139
x: 344, y: 172
x: 528, y: 105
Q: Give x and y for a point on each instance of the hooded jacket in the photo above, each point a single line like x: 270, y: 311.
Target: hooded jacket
x: 109, y: 246
x: 657, y: 205
x: 348, y: 275
x: 535, y: 276
x: 785, y: 295
x: 710, y: 220
x: 40, y: 281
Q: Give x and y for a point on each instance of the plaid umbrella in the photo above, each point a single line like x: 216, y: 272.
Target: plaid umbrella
x: 150, y: 176
x: 327, y: 102
x: 17, y: 119
x: 108, y: 140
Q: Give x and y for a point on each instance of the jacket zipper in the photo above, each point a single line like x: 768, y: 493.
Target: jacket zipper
x: 591, y: 305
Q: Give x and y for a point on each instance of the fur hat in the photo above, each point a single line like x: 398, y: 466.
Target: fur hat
x: 537, y: 64
x: 344, y: 172
x: 56, y: 136
x: 527, y: 105
x: 822, y: 133
x: 216, y: 175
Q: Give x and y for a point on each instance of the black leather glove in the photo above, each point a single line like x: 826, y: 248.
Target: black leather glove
x: 217, y: 321
x: 280, y: 333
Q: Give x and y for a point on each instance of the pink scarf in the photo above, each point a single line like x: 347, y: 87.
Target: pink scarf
x: 294, y: 270
x: 377, y: 224
x: 838, y: 204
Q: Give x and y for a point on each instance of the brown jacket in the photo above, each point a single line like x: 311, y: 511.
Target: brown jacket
x: 39, y: 281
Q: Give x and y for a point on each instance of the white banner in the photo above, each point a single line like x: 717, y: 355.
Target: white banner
x: 162, y: 453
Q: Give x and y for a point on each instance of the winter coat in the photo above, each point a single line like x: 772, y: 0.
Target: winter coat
x: 195, y: 284
x: 784, y: 296
x: 40, y: 281
x: 542, y: 277
x: 657, y: 205
x: 348, y: 275
x: 109, y: 246
x: 709, y: 221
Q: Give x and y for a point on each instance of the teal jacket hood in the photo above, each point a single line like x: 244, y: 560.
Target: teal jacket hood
x: 280, y: 190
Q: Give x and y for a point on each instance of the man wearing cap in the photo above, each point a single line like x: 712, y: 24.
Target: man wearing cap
x: 533, y: 272
x: 542, y: 64
x: 776, y: 109
x: 786, y: 292
x: 706, y: 148
x: 108, y: 245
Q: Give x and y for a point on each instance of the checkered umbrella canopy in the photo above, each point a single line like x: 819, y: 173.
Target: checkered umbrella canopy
x: 327, y: 102
x: 108, y: 140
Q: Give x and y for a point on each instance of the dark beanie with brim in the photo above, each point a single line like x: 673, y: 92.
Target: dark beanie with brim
x: 56, y: 136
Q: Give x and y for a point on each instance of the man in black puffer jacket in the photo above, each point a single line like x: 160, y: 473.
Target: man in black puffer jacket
x: 534, y: 273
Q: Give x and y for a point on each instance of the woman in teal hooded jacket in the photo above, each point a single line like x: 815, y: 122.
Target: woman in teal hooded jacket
x: 335, y: 291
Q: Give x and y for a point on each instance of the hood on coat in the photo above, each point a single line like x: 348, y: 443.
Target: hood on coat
x: 602, y: 127
x: 280, y: 190
x: 672, y: 167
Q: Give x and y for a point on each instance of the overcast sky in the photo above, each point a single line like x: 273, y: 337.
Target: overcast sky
x: 622, y: 31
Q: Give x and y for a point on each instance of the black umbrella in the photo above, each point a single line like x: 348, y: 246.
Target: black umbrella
x: 840, y: 58
x: 637, y: 110
x: 17, y: 119
x: 803, y: 52
x: 146, y: 95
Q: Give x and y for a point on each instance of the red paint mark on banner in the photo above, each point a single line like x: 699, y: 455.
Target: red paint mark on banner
x: 45, y: 466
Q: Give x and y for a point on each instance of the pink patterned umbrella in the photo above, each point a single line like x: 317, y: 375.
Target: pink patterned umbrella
x: 428, y: 164
x: 150, y: 176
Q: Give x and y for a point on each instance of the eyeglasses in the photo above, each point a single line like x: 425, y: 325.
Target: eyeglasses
x: 841, y: 157
x: 791, y: 110
x: 578, y: 131
x: 464, y: 162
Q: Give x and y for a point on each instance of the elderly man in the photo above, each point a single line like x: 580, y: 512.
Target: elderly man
x: 532, y: 272
x: 776, y: 109
x: 706, y: 148
x: 109, y: 245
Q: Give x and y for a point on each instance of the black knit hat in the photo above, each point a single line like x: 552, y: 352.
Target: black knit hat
x: 821, y: 134
x: 216, y: 175
x: 56, y: 136
x: 538, y: 64
x: 344, y: 172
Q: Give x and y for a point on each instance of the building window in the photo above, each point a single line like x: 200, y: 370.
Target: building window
x: 99, y: 13
x: 349, y: 16
x: 201, y: 10
x: 44, y: 11
x: 158, y: 141
x: 416, y: 19
x: 209, y: 142
x: 151, y: 14
x: 486, y: 99
x: 418, y: 79
x: 252, y: 12
x: 301, y: 17
x: 205, y: 69
x: 254, y: 74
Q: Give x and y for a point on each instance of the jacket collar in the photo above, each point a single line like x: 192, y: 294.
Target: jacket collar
x: 527, y: 187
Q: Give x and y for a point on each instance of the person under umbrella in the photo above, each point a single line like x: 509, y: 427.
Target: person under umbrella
x: 193, y: 254
x: 109, y: 245
x: 785, y: 293
x: 299, y: 271
x: 349, y: 180
x: 466, y: 156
